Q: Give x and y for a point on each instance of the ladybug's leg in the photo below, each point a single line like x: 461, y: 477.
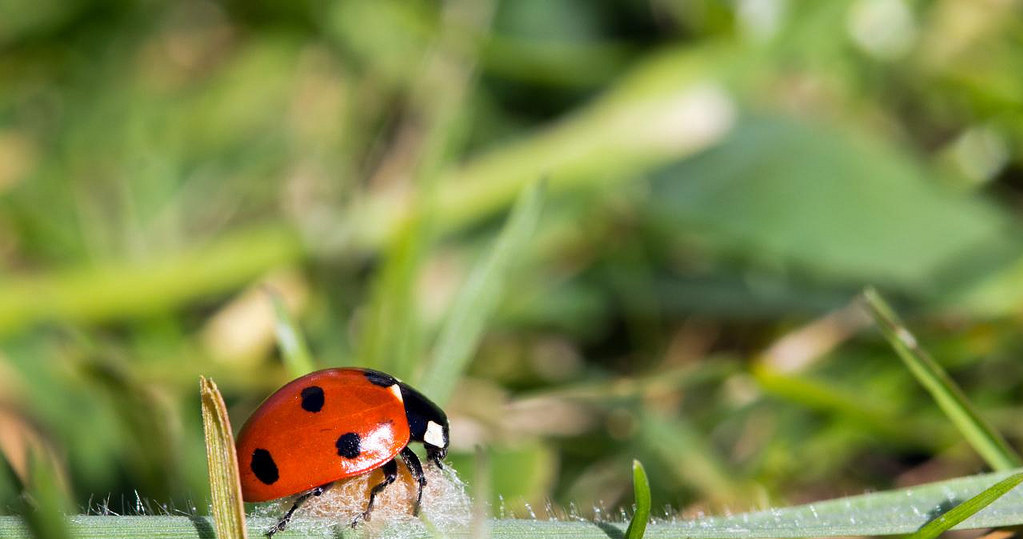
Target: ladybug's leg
x: 416, y: 469
x: 390, y: 474
x: 283, y: 522
x: 435, y: 455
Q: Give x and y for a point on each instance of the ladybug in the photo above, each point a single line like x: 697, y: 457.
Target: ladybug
x: 333, y: 424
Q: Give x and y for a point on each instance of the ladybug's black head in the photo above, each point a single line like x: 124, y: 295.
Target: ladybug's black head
x: 427, y: 423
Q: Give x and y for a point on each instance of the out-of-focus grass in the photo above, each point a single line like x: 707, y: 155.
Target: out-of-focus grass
x: 43, y: 502
x: 720, y: 177
x: 475, y: 303
x: 294, y: 350
x: 949, y: 397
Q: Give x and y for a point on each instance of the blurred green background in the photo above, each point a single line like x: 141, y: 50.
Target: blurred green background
x: 723, y: 177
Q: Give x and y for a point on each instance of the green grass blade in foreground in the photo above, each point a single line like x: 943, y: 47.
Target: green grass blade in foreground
x: 991, y: 446
x: 970, y: 507
x: 479, y: 296
x: 879, y: 513
x: 294, y: 350
x: 222, y: 461
x: 641, y: 487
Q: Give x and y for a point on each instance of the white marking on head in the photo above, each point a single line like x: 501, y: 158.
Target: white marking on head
x: 434, y: 435
x: 396, y: 391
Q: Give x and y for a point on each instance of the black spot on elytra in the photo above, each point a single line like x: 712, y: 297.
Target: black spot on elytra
x: 380, y: 379
x: 312, y: 399
x: 264, y: 467
x: 348, y: 445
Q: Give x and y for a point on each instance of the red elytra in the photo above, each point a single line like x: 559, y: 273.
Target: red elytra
x: 333, y: 424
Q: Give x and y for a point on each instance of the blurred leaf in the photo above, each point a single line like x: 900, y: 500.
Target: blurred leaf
x: 144, y: 418
x: 222, y: 462
x: 389, y: 38
x: 691, y: 458
x: 672, y: 105
x: 394, y: 340
x: 392, y: 323
x: 126, y: 289
x: 878, y: 418
x: 994, y: 295
x: 10, y: 484
x: 290, y: 338
x: 44, y: 505
x: 564, y: 20
x: 641, y: 487
x: 778, y: 193
x: 479, y: 296
x: 744, y: 294
x: 233, y: 114
x: 978, y: 432
x: 614, y: 392
x: 23, y: 446
x: 555, y: 63
x: 18, y: 24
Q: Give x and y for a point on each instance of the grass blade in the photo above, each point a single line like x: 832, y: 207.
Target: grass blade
x: 641, y: 487
x: 479, y: 297
x: 124, y: 290
x: 902, y: 511
x: 968, y: 508
x: 294, y: 350
x: 991, y: 446
x: 394, y: 340
x: 225, y: 486
x: 49, y: 504
x: 392, y: 327
x: 894, y: 512
x: 878, y: 418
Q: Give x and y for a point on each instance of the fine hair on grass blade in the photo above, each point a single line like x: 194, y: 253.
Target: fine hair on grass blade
x: 894, y: 512
x: 641, y: 487
x: 984, y: 439
x: 294, y: 350
x: 968, y: 508
x: 222, y: 462
x: 479, y: 296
